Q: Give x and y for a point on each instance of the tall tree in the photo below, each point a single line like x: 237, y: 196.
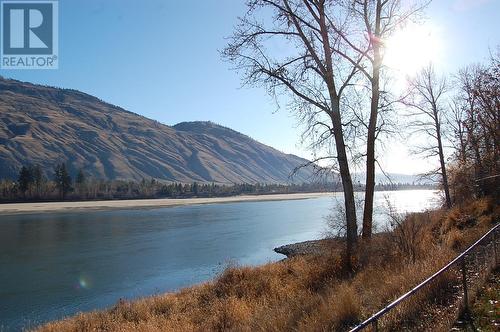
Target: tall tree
x: 477, y: 127
x: 426, y: 98
x: 25, y: 179
x: 38, y: 178
x: 377, y: 21
x: 80, y: 181
x: 62, y: 180
x: 300, y: 51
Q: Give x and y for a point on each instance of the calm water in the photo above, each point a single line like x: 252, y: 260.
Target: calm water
x: 56, y: 264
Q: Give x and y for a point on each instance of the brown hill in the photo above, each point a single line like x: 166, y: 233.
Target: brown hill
x: 45, y: 125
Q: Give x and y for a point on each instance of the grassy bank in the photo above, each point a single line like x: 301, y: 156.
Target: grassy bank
x: 309, y: 293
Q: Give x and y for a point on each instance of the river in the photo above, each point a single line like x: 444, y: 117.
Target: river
x: 56, y: 264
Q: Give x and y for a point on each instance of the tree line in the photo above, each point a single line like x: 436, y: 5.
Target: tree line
x: 474, y: 123
x: 33, y: 185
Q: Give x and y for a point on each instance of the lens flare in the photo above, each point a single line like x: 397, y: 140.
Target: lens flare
x: 83, y: 283
x: 413, y: 48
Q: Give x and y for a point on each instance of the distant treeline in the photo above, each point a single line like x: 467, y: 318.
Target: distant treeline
x: 33, y: 185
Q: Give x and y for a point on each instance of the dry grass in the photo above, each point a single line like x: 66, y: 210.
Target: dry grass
x: 304, y: 293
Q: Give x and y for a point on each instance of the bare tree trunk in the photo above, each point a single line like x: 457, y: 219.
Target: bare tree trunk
x: 370, y: 165
x: 345, y: 174
x: 443, y: 164
x: 427, y: 94
x: 372, y: 128
x: 315, y: 74
x: 463, y: 153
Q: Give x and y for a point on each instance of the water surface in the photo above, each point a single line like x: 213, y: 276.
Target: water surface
x: 56, y: 264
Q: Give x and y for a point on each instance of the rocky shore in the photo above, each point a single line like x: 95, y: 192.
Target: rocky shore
x: 314, y: 247
x: 318, y: 247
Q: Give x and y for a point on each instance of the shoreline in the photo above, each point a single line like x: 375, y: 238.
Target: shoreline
x: 29, y: 208
x: 309, y: 247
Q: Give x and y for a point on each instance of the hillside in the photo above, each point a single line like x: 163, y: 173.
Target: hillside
x: 45, y: 125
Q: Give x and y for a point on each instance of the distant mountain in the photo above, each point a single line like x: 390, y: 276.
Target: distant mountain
x: 45, y: 125
x: 403, y: 178
x: 387, y: 178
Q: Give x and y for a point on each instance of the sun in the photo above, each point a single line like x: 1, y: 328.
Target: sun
x: 412, y: 48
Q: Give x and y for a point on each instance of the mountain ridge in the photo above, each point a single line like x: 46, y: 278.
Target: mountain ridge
x: 46, y: 125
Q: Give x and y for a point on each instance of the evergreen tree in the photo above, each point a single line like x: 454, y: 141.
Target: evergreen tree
x: 38, y: 178
x: 80, y: 182
x: 62, y: 180
x: 80, y: 177
x: 25, y: 179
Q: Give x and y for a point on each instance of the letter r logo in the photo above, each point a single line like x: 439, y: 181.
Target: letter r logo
x: 27, y: 27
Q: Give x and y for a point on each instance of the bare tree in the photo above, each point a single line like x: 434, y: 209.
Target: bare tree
x: 427, y: 94
x: 376, y: 21
x: 467, y: 104
x: 299, y: 49
x: 457, y: 124
x: 477, y: 128
x: 487, y: 137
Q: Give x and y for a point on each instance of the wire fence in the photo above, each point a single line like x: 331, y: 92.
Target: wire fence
x: 478, y: 254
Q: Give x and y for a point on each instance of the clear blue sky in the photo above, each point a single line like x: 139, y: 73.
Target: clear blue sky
x: 159, y: 58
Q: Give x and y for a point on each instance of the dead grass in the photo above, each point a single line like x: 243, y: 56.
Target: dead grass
x: 485, y: 311
x: 304, y: 293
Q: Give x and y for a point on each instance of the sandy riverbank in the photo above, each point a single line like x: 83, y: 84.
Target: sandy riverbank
x: 20, y: 208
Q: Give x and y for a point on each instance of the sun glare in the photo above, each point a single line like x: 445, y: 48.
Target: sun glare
x: 412, y: 48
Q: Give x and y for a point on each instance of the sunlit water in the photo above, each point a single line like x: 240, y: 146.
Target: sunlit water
x: 56, y: 264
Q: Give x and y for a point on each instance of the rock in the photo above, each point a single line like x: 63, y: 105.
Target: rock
x: 314, y: 247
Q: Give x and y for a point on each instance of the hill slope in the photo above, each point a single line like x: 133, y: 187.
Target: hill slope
x: 46, y: 125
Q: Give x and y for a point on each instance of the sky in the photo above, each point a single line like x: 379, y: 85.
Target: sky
x: 160, y: 59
